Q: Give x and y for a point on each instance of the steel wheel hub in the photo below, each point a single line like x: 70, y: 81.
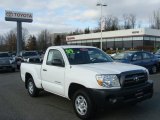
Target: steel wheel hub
x: 81, y: 105
x: 30, y: 87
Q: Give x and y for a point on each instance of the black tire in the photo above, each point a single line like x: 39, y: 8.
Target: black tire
x: 154, y: 69
x: 13, y: 69
x: 32, y: 89
x: 18, y: 67
x: 83, y: 105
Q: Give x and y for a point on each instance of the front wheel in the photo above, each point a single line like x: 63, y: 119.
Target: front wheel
x: 83, y: 105
x: 32, y: 89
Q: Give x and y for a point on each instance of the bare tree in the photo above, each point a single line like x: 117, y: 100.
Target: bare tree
x: 129, y: 21
x: 111, y: 23
x: 25, y: 35
x: 132, y: 18
x: 155, y: 20
x: 1, y: 39
x: 43, y: 39
x: 127, y: 24
x: 10, y: 41
x: 1, y: 42
x: 108, y: 23
x: 31, y: 43
x: 115, y: 23
x: 86, y: 30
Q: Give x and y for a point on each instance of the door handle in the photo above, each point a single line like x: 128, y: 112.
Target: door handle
x: 44, y: 70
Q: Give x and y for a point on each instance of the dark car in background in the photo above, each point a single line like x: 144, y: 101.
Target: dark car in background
x: 7, y: 62
x: 25, y: 55
x: 141, y: 58
x: 157, y: 54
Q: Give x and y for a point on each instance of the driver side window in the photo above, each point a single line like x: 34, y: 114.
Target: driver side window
x: 54, y: 55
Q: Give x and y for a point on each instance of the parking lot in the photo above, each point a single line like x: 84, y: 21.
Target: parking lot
x: 16, y: 104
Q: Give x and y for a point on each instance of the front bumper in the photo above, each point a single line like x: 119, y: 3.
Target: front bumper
x: 107, y: 97
x: 7, y: 67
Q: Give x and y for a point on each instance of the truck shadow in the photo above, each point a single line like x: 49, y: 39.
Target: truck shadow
x: 112, y: 113
x: 124, y: 112
x: 45, y: 94
x: 118, y: 112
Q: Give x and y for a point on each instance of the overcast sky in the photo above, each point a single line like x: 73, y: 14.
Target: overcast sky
x: 68, y: 15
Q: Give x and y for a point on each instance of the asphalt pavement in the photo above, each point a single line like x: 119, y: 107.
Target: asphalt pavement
x: 16, y: 104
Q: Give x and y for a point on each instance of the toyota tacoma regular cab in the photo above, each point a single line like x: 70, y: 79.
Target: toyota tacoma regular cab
x: 87, y: 76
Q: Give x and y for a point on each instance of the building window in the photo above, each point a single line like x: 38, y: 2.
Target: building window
x: 110, y: 43
x: 149, y: 43
x: 127, y: 43
x: 96, y: 43
x: 83, y: 42
x: 78, y: 42
x: 138, y: 43
x: 118, y: 43
x: 89, y: 42
x: 146, y: 38
x: 157, y: 45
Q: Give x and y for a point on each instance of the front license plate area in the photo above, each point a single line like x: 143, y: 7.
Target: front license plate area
x: 139, y: 94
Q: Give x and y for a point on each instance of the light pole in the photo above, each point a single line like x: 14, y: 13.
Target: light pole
x: 101, y: 5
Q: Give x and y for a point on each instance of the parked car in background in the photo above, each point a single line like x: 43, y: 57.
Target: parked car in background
x: 7, y: 62
x: 25, y: 55
x: 157, y: 54
x: 141, y: 58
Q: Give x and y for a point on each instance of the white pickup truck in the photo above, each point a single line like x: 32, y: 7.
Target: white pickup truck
x: 88, y: 77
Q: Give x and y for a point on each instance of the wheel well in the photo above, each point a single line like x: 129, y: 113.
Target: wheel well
x: 27, y: 76
x: 73, y: 88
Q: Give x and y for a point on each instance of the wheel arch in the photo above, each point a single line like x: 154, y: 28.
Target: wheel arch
x: 27, y: 76
x: 73, y: 87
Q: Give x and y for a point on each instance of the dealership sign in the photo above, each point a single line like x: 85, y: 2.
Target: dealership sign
x: 18, y: 16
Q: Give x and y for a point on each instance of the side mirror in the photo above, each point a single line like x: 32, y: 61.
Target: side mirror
x: 57, y: 62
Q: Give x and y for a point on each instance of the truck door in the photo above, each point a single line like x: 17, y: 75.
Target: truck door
x: 53, y: 72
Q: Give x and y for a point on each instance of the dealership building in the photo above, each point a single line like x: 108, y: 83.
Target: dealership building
x: 144, y: 38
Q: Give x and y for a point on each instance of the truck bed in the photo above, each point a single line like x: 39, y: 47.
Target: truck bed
x: 35, y: 69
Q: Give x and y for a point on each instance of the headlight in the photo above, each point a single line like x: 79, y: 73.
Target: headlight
x: 146, y: 71
x: 108, y: 81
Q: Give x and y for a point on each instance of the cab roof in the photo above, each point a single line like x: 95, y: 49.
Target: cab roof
x: 71, y: 46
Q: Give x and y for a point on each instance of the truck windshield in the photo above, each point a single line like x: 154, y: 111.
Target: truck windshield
x: 4, y: 55
x: 86, y: 56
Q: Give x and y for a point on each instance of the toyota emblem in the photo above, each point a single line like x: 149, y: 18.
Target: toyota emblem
x: 136, y: 79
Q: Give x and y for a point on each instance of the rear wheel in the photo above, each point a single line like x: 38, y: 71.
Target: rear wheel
x: 83, y: 106
x: 32, y: 89
x: 18, y: 67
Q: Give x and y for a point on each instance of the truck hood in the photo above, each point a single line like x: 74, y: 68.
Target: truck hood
x: 109, y: 68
